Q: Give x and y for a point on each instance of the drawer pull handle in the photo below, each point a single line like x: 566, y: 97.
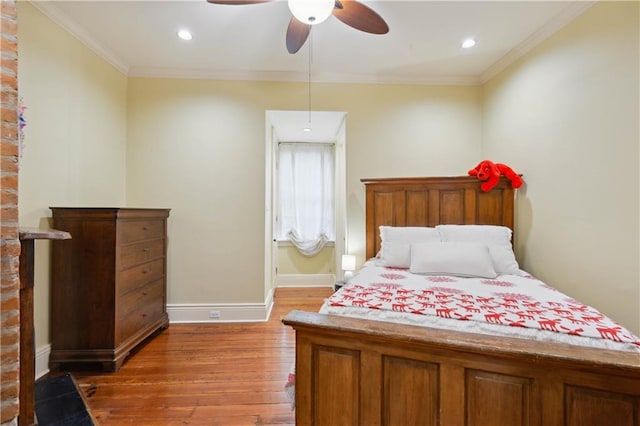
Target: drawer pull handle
x: 144, y: 228
x: 145, y: 271
x: 144, y: 293
x: 144, y: 315
x: 146, y: 249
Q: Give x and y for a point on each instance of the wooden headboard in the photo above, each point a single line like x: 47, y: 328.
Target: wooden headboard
x: 432, y: 201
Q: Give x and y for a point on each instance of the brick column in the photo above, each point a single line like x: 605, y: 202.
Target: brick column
x: 10, y: 243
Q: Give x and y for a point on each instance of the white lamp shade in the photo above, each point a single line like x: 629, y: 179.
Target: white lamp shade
x: 311, y: 12
x: 348, y: 262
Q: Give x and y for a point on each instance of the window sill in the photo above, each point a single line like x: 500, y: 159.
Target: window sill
x: 287, y: 243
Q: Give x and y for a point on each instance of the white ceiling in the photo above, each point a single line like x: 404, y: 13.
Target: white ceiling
x: 248, y: 41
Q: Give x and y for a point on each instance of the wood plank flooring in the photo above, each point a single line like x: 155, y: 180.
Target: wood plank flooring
x: 205, y: 374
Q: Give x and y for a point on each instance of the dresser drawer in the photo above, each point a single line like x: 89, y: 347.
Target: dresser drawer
x: 134, y: 254
x: 140, y: 308
x: 139, y: 275
x: 137, y: 230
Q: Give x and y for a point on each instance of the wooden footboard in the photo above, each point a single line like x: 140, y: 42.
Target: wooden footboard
x: 362, y: 372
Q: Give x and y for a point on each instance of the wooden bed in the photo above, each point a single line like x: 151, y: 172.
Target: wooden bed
x: 362, y: 372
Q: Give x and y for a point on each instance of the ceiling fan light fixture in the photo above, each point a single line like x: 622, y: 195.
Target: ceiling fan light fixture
x: 311, y: 12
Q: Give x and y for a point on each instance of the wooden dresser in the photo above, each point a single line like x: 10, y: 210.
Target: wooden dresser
x: 108, y: 285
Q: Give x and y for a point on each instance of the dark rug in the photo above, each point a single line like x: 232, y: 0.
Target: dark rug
x: 59, y: 403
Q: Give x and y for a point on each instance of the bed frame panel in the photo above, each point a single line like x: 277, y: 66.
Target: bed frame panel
x: 362, y: 372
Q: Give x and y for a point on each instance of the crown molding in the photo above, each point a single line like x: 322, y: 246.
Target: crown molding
x: 550, y: 28
x: 51, y: 11
x: 296, y: 76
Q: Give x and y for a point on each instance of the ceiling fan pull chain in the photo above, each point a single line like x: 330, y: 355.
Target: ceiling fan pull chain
x: 310, y: 47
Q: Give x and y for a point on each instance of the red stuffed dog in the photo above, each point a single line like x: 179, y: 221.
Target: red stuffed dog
x: 490, y: 172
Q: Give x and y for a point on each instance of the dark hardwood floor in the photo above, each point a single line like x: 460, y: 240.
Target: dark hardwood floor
x: 205, y: 374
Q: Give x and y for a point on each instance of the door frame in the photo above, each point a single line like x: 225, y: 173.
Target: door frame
x: 340, y: 184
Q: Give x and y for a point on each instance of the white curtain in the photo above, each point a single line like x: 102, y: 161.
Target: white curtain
x: 305, y: 179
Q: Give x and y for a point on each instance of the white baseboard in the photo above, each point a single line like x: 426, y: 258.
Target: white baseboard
x: 305, y: 280
x: 42, y: 361
x: 231, y: 312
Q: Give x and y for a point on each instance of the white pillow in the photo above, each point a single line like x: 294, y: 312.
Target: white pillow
x: 476, y: 233
x: 497, y: 238
x: 396, y: 243
x: 452, y: 258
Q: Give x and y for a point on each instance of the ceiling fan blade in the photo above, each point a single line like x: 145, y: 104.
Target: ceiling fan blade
x: 236, y: 2
x: 297, y: 34
x: 360, y: 17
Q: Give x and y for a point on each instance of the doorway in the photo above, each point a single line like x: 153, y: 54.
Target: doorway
x: 289, y: 126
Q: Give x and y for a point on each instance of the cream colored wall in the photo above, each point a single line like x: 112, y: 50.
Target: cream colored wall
x: 407, y: 131
x: 567, y: 116
x: 75, y: 137
x: 197, y: 147
x: 290, y: 261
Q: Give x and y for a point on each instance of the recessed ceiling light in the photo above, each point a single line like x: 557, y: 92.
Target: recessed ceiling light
x: 468, y: 43
x: 307, y: 129
x: 185, y: 35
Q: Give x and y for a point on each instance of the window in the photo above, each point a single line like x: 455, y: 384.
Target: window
x: 306, y: 195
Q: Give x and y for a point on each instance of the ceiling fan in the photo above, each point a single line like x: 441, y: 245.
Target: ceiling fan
x: 307, y: 13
